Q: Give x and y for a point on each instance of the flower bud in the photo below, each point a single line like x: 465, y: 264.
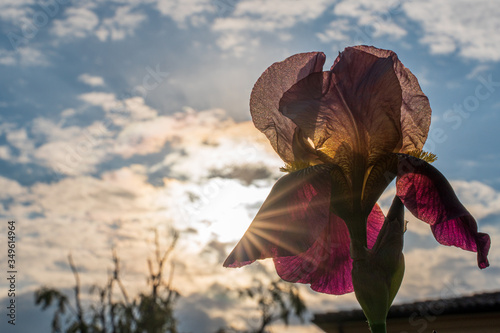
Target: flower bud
x: 377, y: 275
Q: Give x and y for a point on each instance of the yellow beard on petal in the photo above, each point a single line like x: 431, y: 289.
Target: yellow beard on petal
x: 423, y: 155
x: 294, y: 166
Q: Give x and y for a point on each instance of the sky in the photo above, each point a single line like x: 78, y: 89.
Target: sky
x: 118, y: 118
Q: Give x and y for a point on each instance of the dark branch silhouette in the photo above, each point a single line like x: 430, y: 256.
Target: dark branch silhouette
x: 150, y: 312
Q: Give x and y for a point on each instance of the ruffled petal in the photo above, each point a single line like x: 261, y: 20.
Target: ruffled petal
x: 327, y: 264
x: 429, y: 196
x: 415, y: 109
x: 290, y: 220
x: 269, y: 89
x: 352, y: 113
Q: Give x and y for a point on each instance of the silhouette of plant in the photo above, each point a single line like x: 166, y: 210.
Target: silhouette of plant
x: 277, y: 301
x: 150, y: 312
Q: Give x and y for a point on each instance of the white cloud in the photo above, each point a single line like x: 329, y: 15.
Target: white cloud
x: 7, y: 58
x: 121, y: 112
x: 183, y: 10
x: 23, y: 56
x: 19, y: 139
x: 470, y: 28
x: 117, y: 194
x: 239, y: 24
x: 448, y: 26
x: 285, y: 13
x: 200, y: 142
x: 445, y: 271
x: 29, y: 56
x: 336, y: 31
x: 374, y: 18
x: 439, y: 44
x: 85, y: 215
x: 236, y: 44
x: 145, y: 137
x: 78, y: 23
x: 72, y: 150
x: 361, y: 21
x: 83, y: 21
x: 15, y: 11
x: 68, y: 113
x: 260, y: 15
x: 6, y: 127
x: 93, y: 81
x: 132, y: 128
x: 107, y: 101
x: 480, y: 199
x: 4, y: 153
x: 255, y: 16
x: 12, y: 189
x: 138, y: 110
x: 122, y: 24
x: 208, y: 139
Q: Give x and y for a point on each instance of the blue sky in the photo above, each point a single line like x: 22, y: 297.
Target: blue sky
x: 120, y: 117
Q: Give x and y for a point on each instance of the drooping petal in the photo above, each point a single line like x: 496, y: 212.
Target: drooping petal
x: 429, y: 196
x: 327, y: 264
x: 290, y: 219
x: 415, y: 109
x: 351, y: 113
x: 267, y: 92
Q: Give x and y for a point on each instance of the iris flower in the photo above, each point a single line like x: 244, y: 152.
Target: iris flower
x: 344, y: 135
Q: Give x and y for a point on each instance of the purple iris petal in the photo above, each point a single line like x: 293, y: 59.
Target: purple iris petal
x: 429, y: 196
x: 269, y: 89
x: 415, y: 109
x: 290, y: 220
x: 351, y: 112
x: 327, y: 264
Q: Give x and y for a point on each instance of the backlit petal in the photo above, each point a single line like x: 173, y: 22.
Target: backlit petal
x: 351, y: 112
x: 269, y: 89
x: 327, y: 264
x: 290, y: 219
x: 429, y: 196
x: 415, y: 109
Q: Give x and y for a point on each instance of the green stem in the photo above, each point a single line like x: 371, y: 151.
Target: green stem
x: 378, y: 328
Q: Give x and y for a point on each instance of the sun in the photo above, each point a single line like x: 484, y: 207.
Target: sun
x: 229, y: 209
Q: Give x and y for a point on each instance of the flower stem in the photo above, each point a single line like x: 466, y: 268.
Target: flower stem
x: 378, y: 328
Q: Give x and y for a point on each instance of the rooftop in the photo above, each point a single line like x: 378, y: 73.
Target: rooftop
x: 478, y: 303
